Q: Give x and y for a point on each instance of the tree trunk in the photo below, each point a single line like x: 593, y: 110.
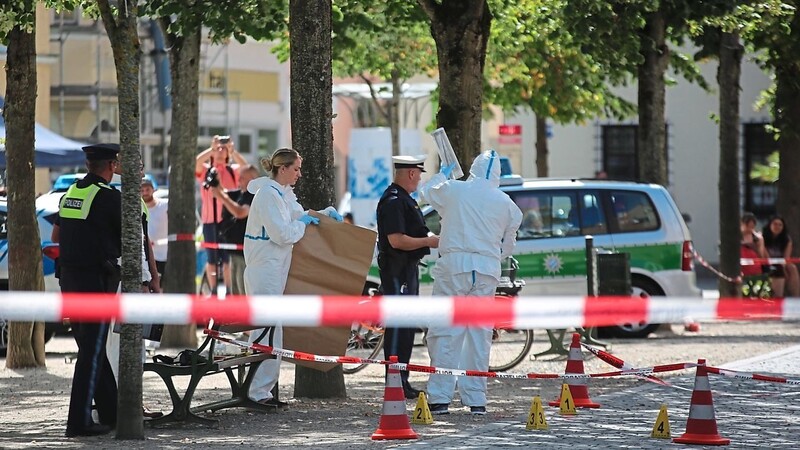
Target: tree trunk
x: 122, y: 32
x: 461, y: 31
x: 542, y: 168
x: 26, y: 341
x: 311, y: 105
x: 181, y: 264
x: 652, y: 90
x: 787, y: 119
x: 312, y: 136
x: 728, y: 75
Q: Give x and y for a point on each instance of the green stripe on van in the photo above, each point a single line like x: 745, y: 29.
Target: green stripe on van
x: 572, y: 263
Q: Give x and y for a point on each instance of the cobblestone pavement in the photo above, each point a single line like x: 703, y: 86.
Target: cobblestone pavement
x: 33, y: 406
x: 751, y: 414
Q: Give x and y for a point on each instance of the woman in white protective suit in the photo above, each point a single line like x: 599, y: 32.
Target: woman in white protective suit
x: 479, y: 226
x: 275, y: 223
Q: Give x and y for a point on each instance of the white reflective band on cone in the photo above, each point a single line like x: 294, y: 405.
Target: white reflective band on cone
x: 702, y: 412
x: 394, y: 408
x: 702, y: 384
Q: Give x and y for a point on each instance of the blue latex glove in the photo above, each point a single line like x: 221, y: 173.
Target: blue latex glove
x: 308, y: 220
x: 333, y: 214
x: 447, y: 170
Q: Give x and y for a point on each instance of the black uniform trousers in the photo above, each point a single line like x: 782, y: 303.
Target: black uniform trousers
x: 93, y: 378
x: 399, y: 279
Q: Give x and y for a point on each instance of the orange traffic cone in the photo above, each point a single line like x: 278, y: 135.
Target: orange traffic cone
x: 394, y: 419
x: 701, y: 427
x: 577, y: 386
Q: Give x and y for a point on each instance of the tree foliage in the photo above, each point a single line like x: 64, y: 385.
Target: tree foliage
x: 536, y: 63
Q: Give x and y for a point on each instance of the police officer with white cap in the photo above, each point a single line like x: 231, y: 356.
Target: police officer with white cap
x: 403, y: 239
x: 90, y: 216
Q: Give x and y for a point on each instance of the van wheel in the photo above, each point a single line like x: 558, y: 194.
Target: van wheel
x: 642, y: 287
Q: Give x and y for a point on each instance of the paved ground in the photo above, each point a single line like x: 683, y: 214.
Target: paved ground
x: 750, y: 414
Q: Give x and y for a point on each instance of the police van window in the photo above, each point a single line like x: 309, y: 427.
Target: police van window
x: 545, y: 214
x: 634, y: 211
x: 433, y: 222
x: 592, y: 218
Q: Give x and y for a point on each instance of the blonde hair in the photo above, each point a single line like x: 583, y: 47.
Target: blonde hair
x: 281, y: 157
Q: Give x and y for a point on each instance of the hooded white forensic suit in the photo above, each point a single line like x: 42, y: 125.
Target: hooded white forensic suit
x: 272, y: 230
x: 479, y: 226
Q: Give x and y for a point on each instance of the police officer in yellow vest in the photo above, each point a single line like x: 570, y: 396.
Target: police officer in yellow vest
x: 90, y: 217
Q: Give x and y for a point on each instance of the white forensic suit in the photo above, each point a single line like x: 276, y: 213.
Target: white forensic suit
x: 272, y: 230
x: 479, y: 226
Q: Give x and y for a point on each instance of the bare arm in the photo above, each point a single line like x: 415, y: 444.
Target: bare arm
x: 237, y: 157
x: 155, y: 280
x: 405, y: 242
x: 238, y: 211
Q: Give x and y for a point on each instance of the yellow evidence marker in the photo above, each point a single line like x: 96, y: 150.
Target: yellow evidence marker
x: 567, y: 404
x: 661, y: 427
x: 422, y: 413
x: 536, y: 418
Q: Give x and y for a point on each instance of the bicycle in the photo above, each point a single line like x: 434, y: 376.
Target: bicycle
x: 366, y: 341
x: 509, y: 346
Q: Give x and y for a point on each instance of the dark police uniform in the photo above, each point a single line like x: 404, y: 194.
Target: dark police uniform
x: 399, y: 213
x: 90, y: 216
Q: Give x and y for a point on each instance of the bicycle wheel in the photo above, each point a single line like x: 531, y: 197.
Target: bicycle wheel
x: 366, y: 341
x: 509, y: 348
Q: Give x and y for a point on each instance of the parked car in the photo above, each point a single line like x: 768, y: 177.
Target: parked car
x: 45, y: 220
x: 639, y: 219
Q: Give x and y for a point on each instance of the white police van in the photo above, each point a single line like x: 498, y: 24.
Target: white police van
x: 635, y: 218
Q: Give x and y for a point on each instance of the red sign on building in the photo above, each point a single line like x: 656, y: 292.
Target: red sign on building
x: 510, y: 134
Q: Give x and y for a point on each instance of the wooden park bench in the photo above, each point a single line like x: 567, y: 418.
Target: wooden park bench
x: 240, y: 370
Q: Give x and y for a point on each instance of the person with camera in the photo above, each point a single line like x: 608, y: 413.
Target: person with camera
x: 214, y: 166
x: 236, y: 206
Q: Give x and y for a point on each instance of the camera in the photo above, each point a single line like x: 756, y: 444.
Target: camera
x: 224, y: 139
x: 211, y: 179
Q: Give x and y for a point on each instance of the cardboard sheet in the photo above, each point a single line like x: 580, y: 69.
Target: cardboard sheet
x: 333, y: 258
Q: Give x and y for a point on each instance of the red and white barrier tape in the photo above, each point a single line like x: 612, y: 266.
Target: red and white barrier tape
x: 619, y: 363
x: 704, y: 263
x: 544, y: 312
x: 770, y: 261
x: 191, y: 237
x: 440, y: 370
x: 752, y: 376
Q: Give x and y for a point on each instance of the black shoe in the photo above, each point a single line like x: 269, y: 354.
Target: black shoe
x: 94, y: 429
x: 438, y: 409
x: 274, y: 402
x: 151, y: 414
x: 477, y: 410
x: 411, y: 393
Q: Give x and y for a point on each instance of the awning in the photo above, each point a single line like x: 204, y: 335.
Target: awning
x: 51, y: 149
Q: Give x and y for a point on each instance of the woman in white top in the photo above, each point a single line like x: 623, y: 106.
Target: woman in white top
x: 275, y: 223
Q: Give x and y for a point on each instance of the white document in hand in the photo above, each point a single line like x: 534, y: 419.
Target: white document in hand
x: 446, y: 152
